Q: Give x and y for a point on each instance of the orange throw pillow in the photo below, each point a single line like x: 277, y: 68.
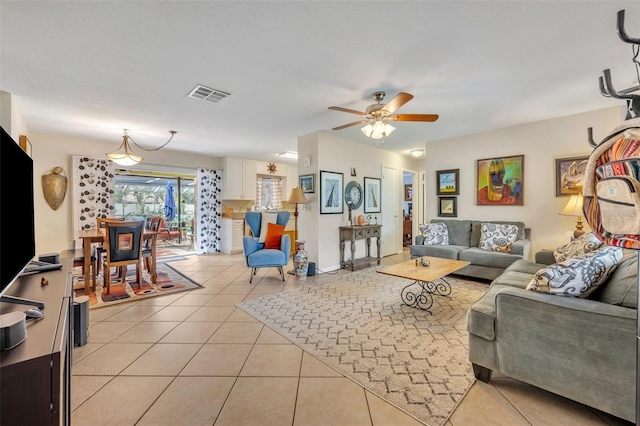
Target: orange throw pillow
x: 274, y: 234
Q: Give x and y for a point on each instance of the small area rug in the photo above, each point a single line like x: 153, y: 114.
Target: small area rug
x: 358, y: 325
x: 169, y: 281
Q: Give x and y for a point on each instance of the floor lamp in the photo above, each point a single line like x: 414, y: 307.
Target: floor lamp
x: 297, y: 197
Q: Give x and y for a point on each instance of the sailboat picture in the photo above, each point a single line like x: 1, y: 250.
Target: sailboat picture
x: 331, y: 196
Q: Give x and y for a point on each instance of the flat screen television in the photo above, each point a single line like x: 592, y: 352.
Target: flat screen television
x: 17, y: 230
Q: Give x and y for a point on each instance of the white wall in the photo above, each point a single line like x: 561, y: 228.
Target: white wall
x: 54, y: 229
x: 332, y: 153
x: 540, y: 143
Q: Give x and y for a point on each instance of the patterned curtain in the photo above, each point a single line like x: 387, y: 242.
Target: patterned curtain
x: 93, y: 189
x: 208, y: 188
x: 276, y: 193
x: 258, y: 193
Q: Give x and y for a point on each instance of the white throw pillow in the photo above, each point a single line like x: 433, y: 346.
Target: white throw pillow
x: 578, y: 247
x: 577, y: 276
x: 435, y: 234
x: 498, y: 237
x: 264, y: 225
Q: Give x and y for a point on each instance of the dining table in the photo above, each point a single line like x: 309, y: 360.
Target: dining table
x: 90, y: 236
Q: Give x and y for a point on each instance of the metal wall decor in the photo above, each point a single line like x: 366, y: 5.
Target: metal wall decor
x: 54, y: 187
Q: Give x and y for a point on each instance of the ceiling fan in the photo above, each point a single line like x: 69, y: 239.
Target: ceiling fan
x: 378, y: 115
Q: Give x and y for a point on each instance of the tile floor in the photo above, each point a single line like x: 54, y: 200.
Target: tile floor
x: 193, y: 358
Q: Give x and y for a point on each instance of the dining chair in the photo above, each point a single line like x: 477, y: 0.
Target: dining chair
x: 78, y: 262
x: 101, y: 224
x: 152, y: 224
x: 123, y: 242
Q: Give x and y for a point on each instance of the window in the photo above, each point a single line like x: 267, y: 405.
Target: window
x: 268, y: 193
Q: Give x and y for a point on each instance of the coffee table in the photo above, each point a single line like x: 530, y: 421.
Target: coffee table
x: 424, y: 277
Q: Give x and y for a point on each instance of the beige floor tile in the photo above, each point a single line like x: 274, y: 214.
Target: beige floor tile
x: 192, y: 300
x: 273, y: 360
x: 612, y: 420
x: 135, y: 313
x: 211, y: 313
x: 147, y: 332
x: 264, y: 290
x: 237, y: 332
x: 210, y: 290
x: 241, y: 316
x: 192, y: 332
x: 120, y: 402
x: 385, y: 414
x: 101, y: 314
x: 173, y: 313
x: 312, y: 367
x: 189, y: 401
x: 540, y: 407
x: 260, y: 401
x: 82, y: 387
x: 252, y: 296
x: 218, y: 360
x: 331, y: 401
x: 80, y: 352
x: 165, y: 300
x: 225, y: 300
x: 110, y: 359
x: 104, y: 332
x: 269, y: 337
x: 163, y: 359
x: 241, y: 289
x: 481, y: 405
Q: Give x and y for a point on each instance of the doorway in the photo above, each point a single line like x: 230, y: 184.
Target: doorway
x: 390, y: 208
x: 410, y: 203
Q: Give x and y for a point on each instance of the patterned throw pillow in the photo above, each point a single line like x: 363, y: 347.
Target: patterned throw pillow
x: 435, y: 234
x: 498, y: 237
x: 577, y: 276
x: 578, y: 247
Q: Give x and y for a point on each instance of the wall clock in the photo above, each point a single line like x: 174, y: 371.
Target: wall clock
x: 271, y: 168
x: 353, y: 194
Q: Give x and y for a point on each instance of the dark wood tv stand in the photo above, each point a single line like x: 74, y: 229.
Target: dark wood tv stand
x: 35, y: 376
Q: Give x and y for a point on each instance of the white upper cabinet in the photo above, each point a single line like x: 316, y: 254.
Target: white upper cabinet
x: 239, y: 179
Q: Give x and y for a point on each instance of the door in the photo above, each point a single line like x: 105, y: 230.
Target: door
x: 390, y: 211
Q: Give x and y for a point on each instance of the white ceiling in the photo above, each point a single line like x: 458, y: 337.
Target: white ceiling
x: 91, y: 69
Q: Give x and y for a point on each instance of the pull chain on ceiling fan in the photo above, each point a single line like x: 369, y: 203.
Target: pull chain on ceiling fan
x: 378, y: 115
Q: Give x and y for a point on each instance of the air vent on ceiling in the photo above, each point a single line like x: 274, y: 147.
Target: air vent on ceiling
x: 207, y: 94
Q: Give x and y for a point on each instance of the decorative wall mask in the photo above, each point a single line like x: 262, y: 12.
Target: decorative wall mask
x: 54, y: 187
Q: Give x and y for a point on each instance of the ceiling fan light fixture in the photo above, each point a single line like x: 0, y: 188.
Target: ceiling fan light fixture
x: 388, y: 129
x: 124, y: 156
x: 367, y: 130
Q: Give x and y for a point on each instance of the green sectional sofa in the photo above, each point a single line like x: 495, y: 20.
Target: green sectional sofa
x: 581, y: 348
x: 464, y: 238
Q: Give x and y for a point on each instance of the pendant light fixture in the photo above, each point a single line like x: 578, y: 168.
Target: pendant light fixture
x: 125, y: 156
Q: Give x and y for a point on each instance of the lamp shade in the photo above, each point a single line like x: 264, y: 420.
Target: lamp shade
x: 297, y: 197
x: 124, y: 155
x: 573, y: 207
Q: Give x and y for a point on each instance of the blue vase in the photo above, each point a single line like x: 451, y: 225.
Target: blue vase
x: 300, y: 261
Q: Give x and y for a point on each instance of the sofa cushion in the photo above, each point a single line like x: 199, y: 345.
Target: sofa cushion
x: 622, y: 287
x: 266, y: 257
x: 459, y: 231
x: 577, y: 276
x: 274, y: 235
x: 264, y: 225
x: 515, y: 279
x: 578, y: 247
x: 476, y: 227
x: 481, y: 257
x: 434, y: 233
x: 445, y: 252
x: 497, y: 237
x: 526, y: 267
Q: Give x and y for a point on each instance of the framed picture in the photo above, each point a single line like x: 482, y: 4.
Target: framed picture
x: 331, y: 196
x: 307, y: 183
x: 500, y: 181
x: 408, y: 192
x: 25, y: 144
x: 448, y: 182
x: 570, y: 175
x: 353, y: 171
x: 372, y: 194
x: 448, y: 206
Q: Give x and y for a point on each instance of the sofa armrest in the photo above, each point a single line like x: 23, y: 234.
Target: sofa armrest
x: 546, y: 257
x: 522, y: 247
x: 285, y: 244
x: 249, y: 245
x: 419, y: 240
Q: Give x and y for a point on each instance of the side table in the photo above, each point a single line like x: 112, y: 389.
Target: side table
x: 359, y: 232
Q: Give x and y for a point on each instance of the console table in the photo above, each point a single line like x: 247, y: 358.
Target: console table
x: 359, y: 232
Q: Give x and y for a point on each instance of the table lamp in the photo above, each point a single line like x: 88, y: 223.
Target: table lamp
x: 574, y: 208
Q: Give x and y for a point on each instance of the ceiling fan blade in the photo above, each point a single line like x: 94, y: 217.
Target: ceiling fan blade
x: 395, y: 103
x: 351, y: 111
x: 414, y: 117
x: 350, y: 124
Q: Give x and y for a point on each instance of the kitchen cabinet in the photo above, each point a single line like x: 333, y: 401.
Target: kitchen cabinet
x: 231, y: 233
x: 239, y: 179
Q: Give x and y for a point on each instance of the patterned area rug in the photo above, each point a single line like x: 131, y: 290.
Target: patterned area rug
x: 169, y: 280
x: 358, y: 325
